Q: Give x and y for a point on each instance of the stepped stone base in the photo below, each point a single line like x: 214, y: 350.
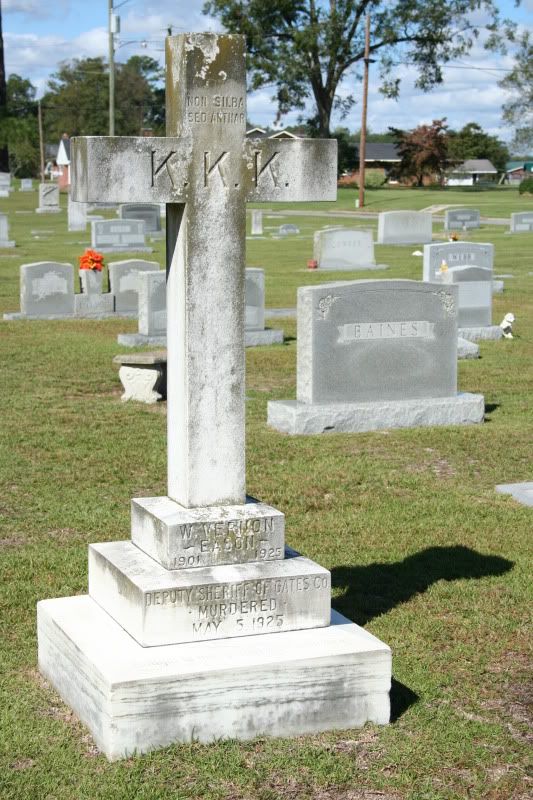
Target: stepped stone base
x: 482, y: 332
x: 290, y: 416
x: 264, y: 337
x: 136, y: 699
x: 47, y: 210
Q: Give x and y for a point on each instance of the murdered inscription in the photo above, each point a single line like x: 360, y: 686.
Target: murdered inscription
x: 364, y: 331
x: 246, y: 605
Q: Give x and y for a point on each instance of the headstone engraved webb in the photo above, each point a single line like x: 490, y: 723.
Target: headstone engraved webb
x: 404, y: 227
x: 240, y: 584
x: 48, y: 199
x: 376, y: 354
x: 461, y: 219
x: 345, y: 249
x: 456, y: 254
x: 522, y: 221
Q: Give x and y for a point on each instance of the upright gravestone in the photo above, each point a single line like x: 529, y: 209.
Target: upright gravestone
x: 4, y: 232
x: 376, y: 354
x: 152, y: 289
x: 345, y: 249
x: 257, y: 222
x: 5, y: 184
x: 46, y: 290
x: 405, y: 227
x: 254, y: 317
x: 522, y: 221
x: 115, y: 656
x: 288, y: 230
x: 118, y: 236
x: 48, y: 199
x: 26, y: 185
x: 456, y: 254
x: 150, y: 213
x: 475, y: 301
x: 124, y: 283
x: 461, y: 219
x: 77, y: 215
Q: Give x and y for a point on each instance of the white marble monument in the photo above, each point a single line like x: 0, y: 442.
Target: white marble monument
x: 48, y: 199
x: 155, y: 655
x: 345, y: 249
x: 405, y: 227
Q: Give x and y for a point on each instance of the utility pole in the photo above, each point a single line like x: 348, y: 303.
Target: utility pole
x: 41, y: 138
x: 111, y: 31
x: 362, y: 141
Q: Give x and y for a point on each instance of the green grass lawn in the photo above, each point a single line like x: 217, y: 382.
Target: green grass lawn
x: 422, y: 550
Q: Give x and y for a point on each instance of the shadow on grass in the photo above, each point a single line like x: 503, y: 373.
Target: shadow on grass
x: 401, y: 698
x: 490, y: 407
x: 377, y: 588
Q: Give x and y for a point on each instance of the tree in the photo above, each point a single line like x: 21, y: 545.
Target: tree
x: 424, y: 151
x: 77, y: 100
x: 305, y: 47
x: 4, y: 152
x: 473, y: 142
x: 19, y: 129
x: 518, y: 110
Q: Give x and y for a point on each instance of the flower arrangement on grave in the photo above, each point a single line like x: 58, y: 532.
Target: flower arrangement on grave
x: 91, y: 259
x: 453, y: 237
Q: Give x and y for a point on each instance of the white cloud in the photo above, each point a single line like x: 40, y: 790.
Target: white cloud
x: 35, y: 8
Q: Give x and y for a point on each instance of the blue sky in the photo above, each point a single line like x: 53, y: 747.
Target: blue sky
x: 38, y: 34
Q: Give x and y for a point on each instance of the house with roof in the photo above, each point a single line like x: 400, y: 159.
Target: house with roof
x: 260, y: 133
x: 472, y: 172
x: 382, y: 156
x: 516, y: 171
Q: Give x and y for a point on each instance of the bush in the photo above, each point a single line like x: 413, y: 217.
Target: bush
x: 374, y: 178
x: 526, y: 186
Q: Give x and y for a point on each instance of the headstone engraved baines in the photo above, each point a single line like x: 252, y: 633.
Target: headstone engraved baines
x: 204, y: 562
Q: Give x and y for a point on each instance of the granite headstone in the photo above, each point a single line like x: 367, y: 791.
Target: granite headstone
x: 4, y: 232
x: 152, y: 303
x: 404, y: 227
x: 461, y: 219
x: 455, y: 254
x: 77, y: 215
x: 124, y: 283
x: 522, y: 221
x: 150, y: 213
x: 118, y: 235
x: 46, y: 289
x: 475, y: 294
x: 48, y: 198
x: 26, y: 185
x: 345, y: 249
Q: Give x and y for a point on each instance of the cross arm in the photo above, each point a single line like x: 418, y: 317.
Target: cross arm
x: 128, y: 169
x: 291, y: 169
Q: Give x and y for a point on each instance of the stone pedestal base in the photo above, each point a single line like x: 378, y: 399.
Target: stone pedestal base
x: 483, y: 332
x: 466, y: 349
x: 94, y: 305
x: 136, y: 699
x: 290, y: 416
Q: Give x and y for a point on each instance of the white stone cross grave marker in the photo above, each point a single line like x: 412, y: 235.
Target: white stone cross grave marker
x: 206, y: 563
x: 205, y: 170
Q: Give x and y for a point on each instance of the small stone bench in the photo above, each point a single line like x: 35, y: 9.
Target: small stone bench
x: 143, y: 375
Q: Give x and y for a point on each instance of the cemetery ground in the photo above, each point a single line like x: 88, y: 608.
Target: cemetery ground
x: 423, y: 551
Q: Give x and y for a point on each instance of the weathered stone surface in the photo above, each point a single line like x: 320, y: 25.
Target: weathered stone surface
x: 475, y: 294
x: 456, y: 254
x: 521, y: 492
x: 77, y: 215
x: 150, y: 213
x: 118, y: 236
x: 135, y: 699
x: 364, y: 341
x: 46, y: 289
x: 152, y: 303
x: 91, y: 281
x: 140, y: 340
x: 345, y: 249
x: 254, y: 317
x: 404, y: 227
x: 179, y: 538
x: 466, y: 349
x: 4, y: 232
x: 124, y: 283
x: 290, y: 416
x: 157, y: 606
x: 48, y: 198
x: 461, y: 219
x: 522, y: 221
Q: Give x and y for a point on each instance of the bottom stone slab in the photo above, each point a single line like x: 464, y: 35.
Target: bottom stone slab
x: 136, y: 699
x: 252, y: 339
x: 265, y: 337
x: 290, y: 416
x: 141, y: 340
x: 466, y: 349
x: 482, y: 332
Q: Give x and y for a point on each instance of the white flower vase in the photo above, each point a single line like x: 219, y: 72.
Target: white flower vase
x: 91, y: 281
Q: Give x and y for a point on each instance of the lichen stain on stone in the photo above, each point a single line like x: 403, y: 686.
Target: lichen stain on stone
x: 208, y: 45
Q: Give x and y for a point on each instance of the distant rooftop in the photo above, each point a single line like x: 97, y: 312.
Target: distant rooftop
x: 477, y: 166
x: 379, y: 151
